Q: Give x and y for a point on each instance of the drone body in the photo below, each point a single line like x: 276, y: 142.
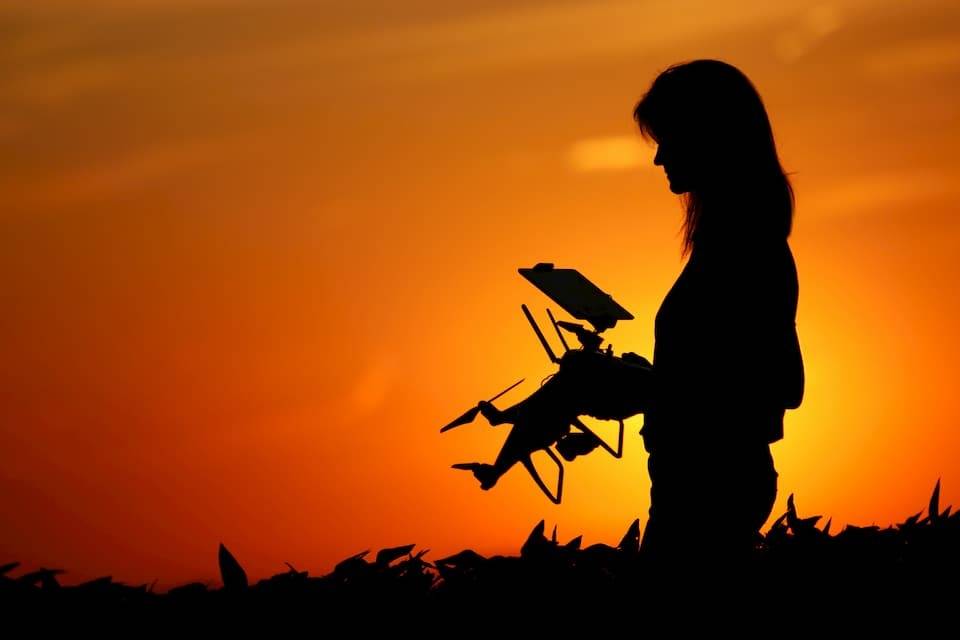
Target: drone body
x: 588, y: 382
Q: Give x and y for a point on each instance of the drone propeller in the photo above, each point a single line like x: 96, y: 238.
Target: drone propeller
x: 472, y: 412
x: 485, y: 473
x: 466, y: 418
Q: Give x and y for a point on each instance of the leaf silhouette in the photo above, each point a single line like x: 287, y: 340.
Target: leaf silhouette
x: 536, y: 541
x: 97, y: 584
x: 231, y: 573
x: 467, y: 557
x: 352, y: 565
x: 631, y: 539
x: 386, y: 556
x: 911, y: 521
x: 934, y: 511
x: 797, y: 524
x: 47, y: 578
x: 574, y: 545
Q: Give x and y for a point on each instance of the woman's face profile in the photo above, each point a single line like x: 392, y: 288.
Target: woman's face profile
x: 677, y: 163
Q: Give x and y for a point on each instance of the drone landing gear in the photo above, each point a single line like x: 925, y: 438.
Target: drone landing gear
x: 616, y: 453
x: 553, y: 497
x: 487, y: 475
x: 569, y: 446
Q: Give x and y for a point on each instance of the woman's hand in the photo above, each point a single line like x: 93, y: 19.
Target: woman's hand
x: 606, y: 386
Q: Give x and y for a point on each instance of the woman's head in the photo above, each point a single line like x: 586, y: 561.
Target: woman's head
x: 716, y: 146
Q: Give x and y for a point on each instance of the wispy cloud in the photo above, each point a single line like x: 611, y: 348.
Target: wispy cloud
x: 917, y: 56
x: 612, y: 153
x: 297, y: 36
x: 886, y: 190
x: 815, y: 24
x: 64, y: 82
x: 119, y: 175
x: 518, y: 37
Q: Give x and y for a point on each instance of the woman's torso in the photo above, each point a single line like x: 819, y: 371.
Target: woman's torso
x: 726, y: 357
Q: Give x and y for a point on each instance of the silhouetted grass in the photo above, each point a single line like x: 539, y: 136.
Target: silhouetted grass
x: 910, y: 562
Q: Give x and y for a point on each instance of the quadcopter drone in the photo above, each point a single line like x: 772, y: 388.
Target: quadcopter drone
x: 589, y: 381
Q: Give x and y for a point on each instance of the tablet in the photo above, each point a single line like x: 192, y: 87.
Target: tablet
x: 576, y: 295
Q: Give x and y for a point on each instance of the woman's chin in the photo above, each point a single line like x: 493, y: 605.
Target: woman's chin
x: 678, y: 189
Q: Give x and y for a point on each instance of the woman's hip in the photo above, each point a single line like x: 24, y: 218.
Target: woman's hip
x: 714, y: 480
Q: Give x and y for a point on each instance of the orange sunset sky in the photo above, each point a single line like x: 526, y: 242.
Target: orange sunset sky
x: 255, y: 253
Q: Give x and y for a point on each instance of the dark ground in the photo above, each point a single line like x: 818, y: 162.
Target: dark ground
x: 799, y: 570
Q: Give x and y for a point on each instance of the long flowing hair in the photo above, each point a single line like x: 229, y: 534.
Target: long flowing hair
x: 718, y: 114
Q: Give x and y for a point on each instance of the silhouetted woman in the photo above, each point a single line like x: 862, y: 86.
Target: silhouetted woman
x: 726, y: 358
